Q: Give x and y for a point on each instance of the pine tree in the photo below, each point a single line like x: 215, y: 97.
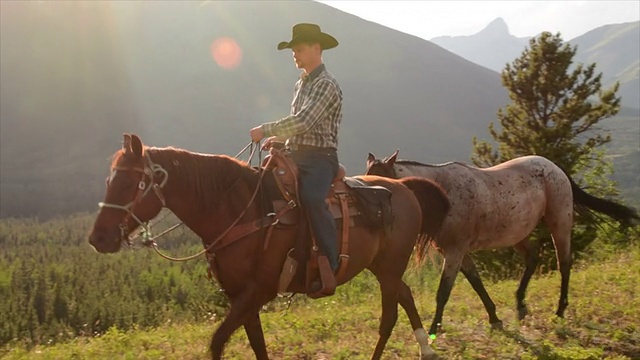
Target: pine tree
x: 554, y: 111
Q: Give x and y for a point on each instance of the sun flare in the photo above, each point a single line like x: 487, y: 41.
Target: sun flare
x: 226, y: 53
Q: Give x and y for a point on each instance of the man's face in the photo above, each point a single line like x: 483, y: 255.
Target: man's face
x: 305, y: 54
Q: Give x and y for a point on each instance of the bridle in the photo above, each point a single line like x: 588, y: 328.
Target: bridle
x: 149, y: 170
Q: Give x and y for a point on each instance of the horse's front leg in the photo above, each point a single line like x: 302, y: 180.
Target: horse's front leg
x: 389, y: 291
x: 253, y: 328
x: 450, y: 270
x: 244, y: 311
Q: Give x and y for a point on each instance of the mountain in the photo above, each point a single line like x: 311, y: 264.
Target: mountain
x: 616, y: 51
x: 614, y: 48
x: 198, y: 75
x: 493, y: 47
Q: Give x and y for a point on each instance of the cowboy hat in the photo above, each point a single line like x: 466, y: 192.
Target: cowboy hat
x: 309, y: 33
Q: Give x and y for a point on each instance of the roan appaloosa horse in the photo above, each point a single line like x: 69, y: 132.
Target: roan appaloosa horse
x: 497, y: 207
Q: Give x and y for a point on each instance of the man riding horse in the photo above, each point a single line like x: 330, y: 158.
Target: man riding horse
x: 311, y: 131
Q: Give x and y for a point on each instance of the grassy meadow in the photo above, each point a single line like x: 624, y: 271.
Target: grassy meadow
x: 602, y: 322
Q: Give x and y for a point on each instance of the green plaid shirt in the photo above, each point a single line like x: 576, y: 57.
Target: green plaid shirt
x: 316, y: 112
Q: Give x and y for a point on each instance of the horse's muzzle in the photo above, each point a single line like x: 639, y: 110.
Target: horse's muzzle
x: 104, y: 242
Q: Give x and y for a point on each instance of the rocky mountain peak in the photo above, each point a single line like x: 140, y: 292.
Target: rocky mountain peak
x: 497, y: 27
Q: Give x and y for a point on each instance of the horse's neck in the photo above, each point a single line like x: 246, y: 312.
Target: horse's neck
x: 422, y: 170
x: 192, y: 219
x: 204, y: 202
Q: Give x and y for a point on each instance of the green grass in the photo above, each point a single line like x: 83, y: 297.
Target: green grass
x: 602, y: 322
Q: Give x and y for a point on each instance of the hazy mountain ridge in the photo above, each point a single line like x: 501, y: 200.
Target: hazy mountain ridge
x: 146, y: 67
x: 493, y: 47
x: 615, y: 49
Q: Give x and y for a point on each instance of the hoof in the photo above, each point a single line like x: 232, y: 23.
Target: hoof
x: 497, y: 325
x: 431, y: 356
x: 522, y: 312
x: 315, y: 286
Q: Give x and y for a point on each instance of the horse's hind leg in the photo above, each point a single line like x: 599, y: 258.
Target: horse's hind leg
x: 471, y: 273
x: 565, y: 272
x: 558, y: 218
x: 405, y: 298
x: 529, y: 251
x: 562, y: 242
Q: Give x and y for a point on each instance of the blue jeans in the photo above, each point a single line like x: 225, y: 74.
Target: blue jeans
x: 317, y: 169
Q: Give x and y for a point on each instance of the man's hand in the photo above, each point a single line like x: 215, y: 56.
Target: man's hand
x: 256, y: 133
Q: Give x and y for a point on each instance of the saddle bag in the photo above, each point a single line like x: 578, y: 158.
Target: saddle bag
x: 373, y: 202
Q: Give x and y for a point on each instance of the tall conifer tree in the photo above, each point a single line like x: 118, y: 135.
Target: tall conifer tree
x: 554, y: 111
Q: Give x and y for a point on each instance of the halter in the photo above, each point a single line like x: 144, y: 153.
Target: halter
x: 149, y: 170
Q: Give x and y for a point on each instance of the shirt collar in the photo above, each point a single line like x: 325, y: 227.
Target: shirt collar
x: 312, y: 75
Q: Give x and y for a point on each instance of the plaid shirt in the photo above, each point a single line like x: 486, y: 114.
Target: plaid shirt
x: 316, y: 112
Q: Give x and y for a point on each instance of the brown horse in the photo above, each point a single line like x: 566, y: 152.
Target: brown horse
x: 212, y: 193
x: 498, y: 207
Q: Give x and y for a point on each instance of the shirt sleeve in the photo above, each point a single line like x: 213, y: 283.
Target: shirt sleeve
x: 322, y: 94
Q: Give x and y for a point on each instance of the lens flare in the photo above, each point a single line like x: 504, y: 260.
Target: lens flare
x: 226, y: 53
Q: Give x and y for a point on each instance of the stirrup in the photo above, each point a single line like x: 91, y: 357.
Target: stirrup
x: 326, y: 277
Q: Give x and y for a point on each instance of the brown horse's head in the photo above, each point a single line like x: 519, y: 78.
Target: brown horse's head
x: 133, y: 197
x: 382, y: 167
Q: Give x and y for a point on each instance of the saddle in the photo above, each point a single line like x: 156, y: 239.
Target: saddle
x: 351, y: 201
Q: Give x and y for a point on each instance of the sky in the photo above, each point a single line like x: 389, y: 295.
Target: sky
x: 429, y: 19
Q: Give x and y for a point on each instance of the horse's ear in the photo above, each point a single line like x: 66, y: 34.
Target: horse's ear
x: 136, y: 145
x: 126, y: 143
x: 370, y: 159
x: 392, y: 159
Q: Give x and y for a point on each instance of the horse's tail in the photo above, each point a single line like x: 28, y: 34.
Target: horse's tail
x: 586, y: 202
x: 434, y: 204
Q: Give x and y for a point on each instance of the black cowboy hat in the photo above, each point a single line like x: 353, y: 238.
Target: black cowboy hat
x: 309, y: 33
